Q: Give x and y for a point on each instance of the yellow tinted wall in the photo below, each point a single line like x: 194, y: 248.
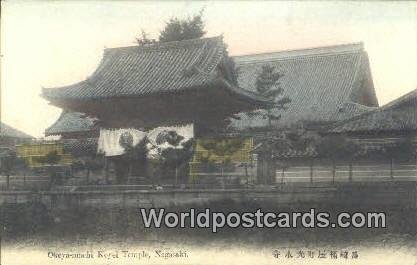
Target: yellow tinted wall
x: 219, y: 151
x: 32, y: 152
x: 223, y: 150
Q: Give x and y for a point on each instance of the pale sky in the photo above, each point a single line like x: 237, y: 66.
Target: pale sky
x: 56, y: 43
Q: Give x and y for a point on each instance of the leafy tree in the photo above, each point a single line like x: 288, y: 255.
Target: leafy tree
x: 337, y: 148
x: 170, y: 137
x: 275, y: 144
x: 171, y: 155
x: 49, y: 162
x: 7, y: 164
x: 268, y: 85
x: 90, y: 163
x: 183, y: 29
x: 51, y: 158
x: 403, y: 150
x: 135, y: 156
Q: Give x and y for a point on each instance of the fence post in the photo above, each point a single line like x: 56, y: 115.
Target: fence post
x: 415, y: 160
x: 392, y: 168
x: 350, y: 172
x: 282, y: 175
x: 311, y: 171
x: 106, y: 170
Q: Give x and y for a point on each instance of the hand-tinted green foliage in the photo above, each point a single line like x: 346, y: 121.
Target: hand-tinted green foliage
x: 183, y: 29
x: 337, y: 148
x: 170, y: 137
x: 177, y: 155
x: 280, y: 142
x: 137, y: 153
x: 268, y: 85
x: 7, y: 162
x: 52, y: 158
x: 222, y: 147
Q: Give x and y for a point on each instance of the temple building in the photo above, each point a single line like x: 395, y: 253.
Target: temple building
x: 196, y: 82
x: 164, y: 84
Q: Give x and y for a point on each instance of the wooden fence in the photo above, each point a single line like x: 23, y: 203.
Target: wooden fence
x: 295, y: 174
x: 25, y: 182
x: 343, y: 173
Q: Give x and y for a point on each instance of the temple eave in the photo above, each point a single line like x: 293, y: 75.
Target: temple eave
x: 162, y: 109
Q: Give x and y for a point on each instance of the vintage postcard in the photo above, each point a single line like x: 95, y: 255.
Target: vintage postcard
x: 208, y: 132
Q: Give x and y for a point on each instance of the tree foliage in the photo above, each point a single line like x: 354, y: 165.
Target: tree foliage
x: 7, y: 162
x: 183, y: 29
x: 134, y: 160
x: 279, y: 142
x: 137, y: 155
x: 403, y: 150
x: 337, y: 148
x: 224, y: 149
x: 268, y: 85
x: 170, y: 137
x: 176, y: 155
x: 52, y: 158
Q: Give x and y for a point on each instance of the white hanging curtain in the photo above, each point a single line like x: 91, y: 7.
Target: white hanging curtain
x: 109, y: 142
x: 109, y: 139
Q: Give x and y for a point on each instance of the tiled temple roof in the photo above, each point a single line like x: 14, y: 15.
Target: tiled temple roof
x: 398, y: 115
x: 71, y: 122
x: 159, y: 68
x: 324, y: 84
x: 80, y: 147
x: 10, y: 132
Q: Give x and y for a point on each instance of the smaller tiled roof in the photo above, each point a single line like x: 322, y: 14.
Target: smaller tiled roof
x: 81, y: 147
x: 71, y: 122
x: 350, y: 110
x: 398, y: 115
x: 8, y: 131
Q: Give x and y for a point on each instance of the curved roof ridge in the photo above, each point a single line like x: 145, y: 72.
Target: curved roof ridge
x: 391, y: 105
x: 9, y: 131
x: 166, y: 45
x: 71, y: 121
x: 360, y: 105
x: 294, y: 53
x: 411, y: 94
